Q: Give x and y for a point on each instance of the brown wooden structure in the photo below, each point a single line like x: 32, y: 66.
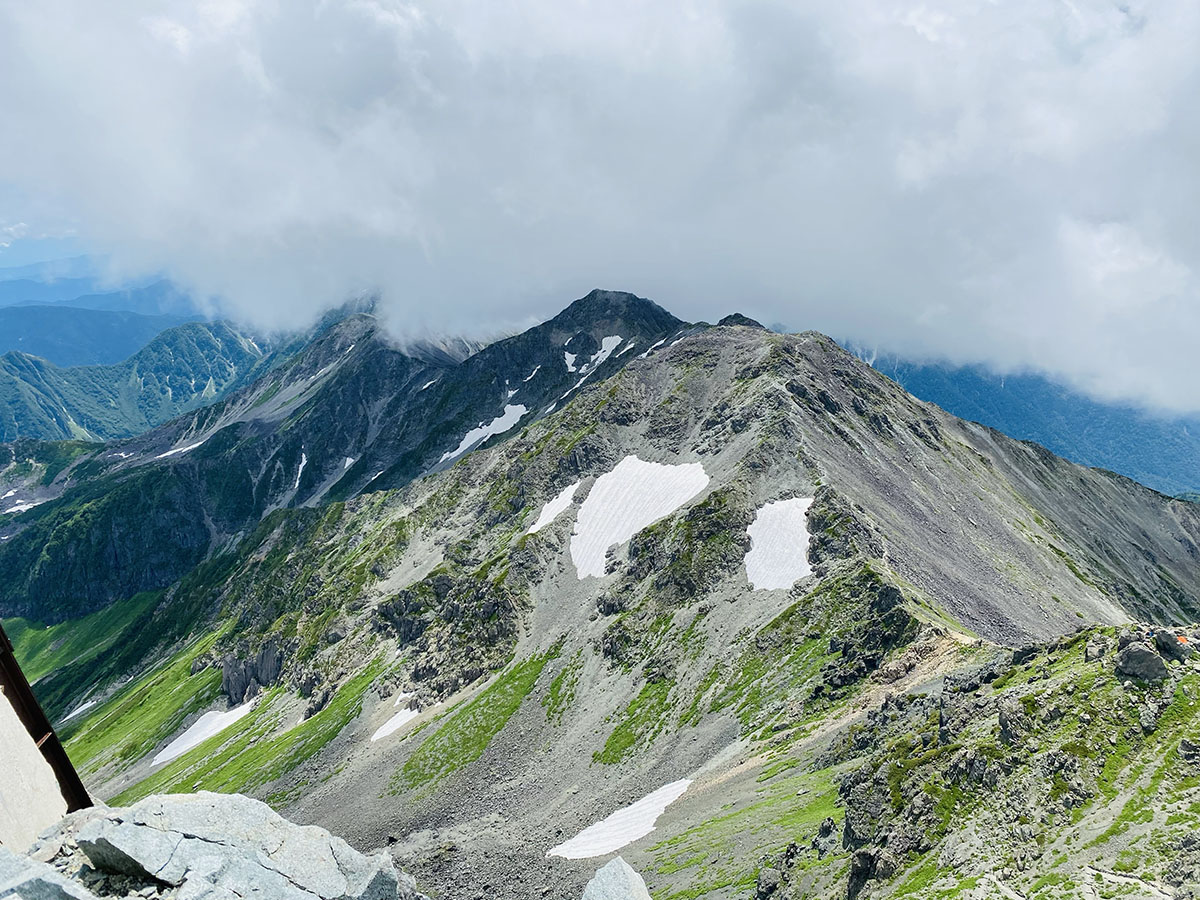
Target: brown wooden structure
x: 16, y: 688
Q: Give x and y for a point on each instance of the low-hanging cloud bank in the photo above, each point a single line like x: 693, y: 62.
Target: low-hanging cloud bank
x: 1013, y: 183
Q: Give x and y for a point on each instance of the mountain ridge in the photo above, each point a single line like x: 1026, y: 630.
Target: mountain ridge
x: 432, y: 666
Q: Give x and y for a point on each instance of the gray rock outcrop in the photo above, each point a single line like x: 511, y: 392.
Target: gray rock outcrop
x: 243, y: 678
x: 1139, y: 660
x: 616, y: 880
x: 28, y: 879
x: 200, y: 847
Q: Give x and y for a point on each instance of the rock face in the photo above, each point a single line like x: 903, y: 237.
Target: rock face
x: 244, y: 678
x: 198, y: 847
x: 616, y: 880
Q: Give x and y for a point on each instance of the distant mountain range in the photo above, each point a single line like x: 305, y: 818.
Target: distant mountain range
x: 1162, y: 453
x: 70, y: 336
x: 180, y: 369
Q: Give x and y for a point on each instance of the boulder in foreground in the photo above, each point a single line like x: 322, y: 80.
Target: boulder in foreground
x: 200, y: 847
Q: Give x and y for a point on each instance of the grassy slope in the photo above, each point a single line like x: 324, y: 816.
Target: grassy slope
x: 260, y: 748
x: 45, y: 648
x: 146, y: 712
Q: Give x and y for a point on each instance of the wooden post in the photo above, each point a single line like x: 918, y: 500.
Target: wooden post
x: 16, y: 688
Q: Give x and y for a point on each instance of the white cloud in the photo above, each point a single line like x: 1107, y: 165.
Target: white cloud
x: 1001, y: 182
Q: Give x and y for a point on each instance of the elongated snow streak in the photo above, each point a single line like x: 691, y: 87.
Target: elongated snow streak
x: 395, y: 723
x: 569, y: 358
x: 627, y: 348
x: 512, y: 415
x: 607, y: 346
x: 778, y: 555
x: 79, y: 710
x: 651, y: 349
x: 202, y: 729
x: 178, y: 450
x: 23, y: 507
x: 534, y: 372
x: 623, y: 827
x: 9, y: 494
x: 554, y: 508
x: 624, y: 501
x: 427, y: 384
x: 300, y: 471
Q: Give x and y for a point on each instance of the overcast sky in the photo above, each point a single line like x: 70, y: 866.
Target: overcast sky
x: 1009, y: 182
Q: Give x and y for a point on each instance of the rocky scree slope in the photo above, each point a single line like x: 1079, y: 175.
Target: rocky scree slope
x: 429, y: 654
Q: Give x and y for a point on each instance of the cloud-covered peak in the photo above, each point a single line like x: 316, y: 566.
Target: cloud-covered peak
x: 1008, y: 183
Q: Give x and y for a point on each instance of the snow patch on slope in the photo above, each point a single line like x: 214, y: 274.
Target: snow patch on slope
x: 80, y: 710
x: 202, y: 729
x: 395, y: 723
x: 778, y: 555
x: 511, y: 416
x: 623, y: 827
x: 553, y: 508
x: 178, y: 450
x: 651, y: 349
x: 624, y: 501
x: 607, y: 346
x: 569, y: 358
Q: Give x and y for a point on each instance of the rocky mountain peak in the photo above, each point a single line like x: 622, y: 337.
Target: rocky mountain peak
x: 601, y: 307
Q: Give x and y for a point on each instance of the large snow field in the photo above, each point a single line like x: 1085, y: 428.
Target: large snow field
x: 554, y: 508
x: 511, y: 416
x: 778, y: 555
x: 395, y: 723
x: 624, y: 826
x: 202, y: 729
x: 624, y: 501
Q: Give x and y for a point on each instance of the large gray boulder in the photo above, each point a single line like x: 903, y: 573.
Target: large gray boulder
x: 1141, y: 661
x: 214, y: 847
x: 616, y: 880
